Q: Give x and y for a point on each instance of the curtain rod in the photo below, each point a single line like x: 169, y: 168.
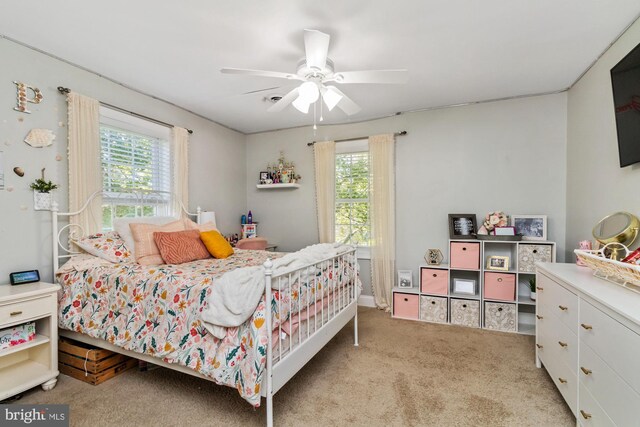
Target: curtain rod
x: 400, y: 133
x: 65, y: 90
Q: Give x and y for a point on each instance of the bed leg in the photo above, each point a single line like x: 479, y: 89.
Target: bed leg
x: 269, y: 410
x: 355, y: 329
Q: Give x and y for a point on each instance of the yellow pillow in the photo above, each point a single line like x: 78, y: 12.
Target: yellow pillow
x: 217, y: 245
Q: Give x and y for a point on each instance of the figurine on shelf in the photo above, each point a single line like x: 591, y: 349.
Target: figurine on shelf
x: 493, y: 220
x: 281, y: 172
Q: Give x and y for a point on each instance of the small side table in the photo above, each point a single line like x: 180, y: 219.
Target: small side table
x: 33, y: 363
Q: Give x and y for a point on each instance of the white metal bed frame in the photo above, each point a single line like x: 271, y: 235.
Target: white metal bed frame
x: 341, y: 306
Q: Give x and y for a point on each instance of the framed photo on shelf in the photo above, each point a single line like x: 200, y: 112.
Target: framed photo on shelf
x: 464, y: 286
x: 531, y: 227
x: 264, y: 176
x: 433, y: 256
x: 495, y: 262
x: 462, y: 226
x: 405, y: 279
x: 504, y: 231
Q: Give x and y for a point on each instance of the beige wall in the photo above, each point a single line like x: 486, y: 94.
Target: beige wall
x: 217, y: 155
x: 596, y: 185
x: 508, y: 155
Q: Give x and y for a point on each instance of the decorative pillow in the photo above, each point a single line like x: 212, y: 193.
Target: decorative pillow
x: 121, y: 226
x: 146, y: 251
x: 207, y: 226
x: 107, y: 246
x: 217, y: 245
x: 180, y: 246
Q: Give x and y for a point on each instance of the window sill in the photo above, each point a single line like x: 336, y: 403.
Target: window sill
x: 363, y: 252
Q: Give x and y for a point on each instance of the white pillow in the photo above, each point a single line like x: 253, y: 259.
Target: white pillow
x: 121, y: 225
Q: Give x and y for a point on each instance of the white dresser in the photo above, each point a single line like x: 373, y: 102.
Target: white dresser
x: 588, y: 339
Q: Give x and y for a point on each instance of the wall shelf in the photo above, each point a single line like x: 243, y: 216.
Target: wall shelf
x: 276, y: 186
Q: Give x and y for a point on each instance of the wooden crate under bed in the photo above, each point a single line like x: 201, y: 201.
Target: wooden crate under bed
x: 89, y: 363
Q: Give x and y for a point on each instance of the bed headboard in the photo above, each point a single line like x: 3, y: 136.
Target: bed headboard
x: 136, y: 199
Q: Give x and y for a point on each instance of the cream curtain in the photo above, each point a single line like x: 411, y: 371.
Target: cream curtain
x: 325, y: 170
x: 85, y: 170
x: 382, y: 200
x: 180, y: 147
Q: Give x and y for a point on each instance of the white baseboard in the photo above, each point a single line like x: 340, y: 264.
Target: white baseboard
x: 366, y: 301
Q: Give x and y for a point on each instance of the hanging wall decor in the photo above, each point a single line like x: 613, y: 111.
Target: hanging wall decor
x: 39, y: 138
x: 18, y: 171
x: 22, y: 98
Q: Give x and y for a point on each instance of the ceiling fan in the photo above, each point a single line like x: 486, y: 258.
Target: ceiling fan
x: 315, y: 71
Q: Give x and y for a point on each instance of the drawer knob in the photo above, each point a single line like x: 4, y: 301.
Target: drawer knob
x: 433, y: 302
x: 585, y: 370
x: 585, y: 415
x: 499, y: 279
x: 585, y: 326
x: 539, y: 288
x: 435, y: 275
x: 563, y: 344
x: 15, y: 313
x: 406, y: 299
x: 563, y: 307
x: 464, y: 305
x: 562, y: 380
x: 499, y: 308
x: 539, y: 317
x: 464, y: 249
x: 535, y: 251
x: 540, y: 346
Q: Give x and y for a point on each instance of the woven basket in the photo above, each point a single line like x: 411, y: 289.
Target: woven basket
x: 620, y: 273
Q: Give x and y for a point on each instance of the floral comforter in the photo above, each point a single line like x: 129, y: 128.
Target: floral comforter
x: 155, y: 310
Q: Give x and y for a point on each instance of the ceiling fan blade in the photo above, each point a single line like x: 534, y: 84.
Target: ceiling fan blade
x: 346, y: 104
x: 284, y: 102
x: 372, y: 76
x: 316, y: 46
x: 261, y: 90
x: 260, y: 73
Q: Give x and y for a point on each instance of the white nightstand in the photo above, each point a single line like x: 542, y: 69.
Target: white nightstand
x: 36, y: 362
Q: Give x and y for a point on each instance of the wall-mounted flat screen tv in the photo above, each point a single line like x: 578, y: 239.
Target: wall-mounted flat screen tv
x: 625, y: 79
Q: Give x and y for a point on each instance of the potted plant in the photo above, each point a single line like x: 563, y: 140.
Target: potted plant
x: 532, y: 287
x: 42, y: 193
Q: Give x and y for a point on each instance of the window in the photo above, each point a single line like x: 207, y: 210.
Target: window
x: 352, y: 223
x: 136, y: 167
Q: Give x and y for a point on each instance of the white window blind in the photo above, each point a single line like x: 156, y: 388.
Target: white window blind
x: 352, y: 198
x: 136, y: 167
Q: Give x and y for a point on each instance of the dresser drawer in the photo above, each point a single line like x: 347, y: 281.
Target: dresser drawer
x: 562, y: 340
x: 590, y: 413
x: 433, y: 309
x: 27, y: 309
x: 612, y: 341
x: 465, y: 312
x: 465, y: 255
x: 559, y: 301
x: 565, y: 380
x: 434, y: 281
x: 406, y: 306
x: 500, y: 317
x: 529, y: 254
x: 500, y: 286
x: 613, y: 394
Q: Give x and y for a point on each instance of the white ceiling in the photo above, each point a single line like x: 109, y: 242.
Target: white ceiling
x: 456, y: 51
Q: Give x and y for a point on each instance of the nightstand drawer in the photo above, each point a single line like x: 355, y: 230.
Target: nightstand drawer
x: 27, y: 309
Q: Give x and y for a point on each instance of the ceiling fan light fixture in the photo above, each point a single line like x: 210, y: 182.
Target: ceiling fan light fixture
x: 301, y: 104
x: 330, y: 97
x: 309, y: 92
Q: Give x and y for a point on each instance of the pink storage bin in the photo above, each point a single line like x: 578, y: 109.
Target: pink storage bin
x: 406, y: 306
x: 434, y: 281
x: 500, y: 286
x: 465, y: 255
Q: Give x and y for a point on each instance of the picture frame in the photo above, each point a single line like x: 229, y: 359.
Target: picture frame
x: 497, y: 262
x: 433, y: 256
x: 462, y: 226
x: 405, y: 279
x: 464, y: 286
x: 531, y: 227
x: 508, y: 230
x: 264, y: 176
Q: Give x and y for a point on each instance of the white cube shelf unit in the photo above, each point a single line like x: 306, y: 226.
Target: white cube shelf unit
x: 485, y: 298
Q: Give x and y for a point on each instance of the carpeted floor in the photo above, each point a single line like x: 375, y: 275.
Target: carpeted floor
x: 403, y: 374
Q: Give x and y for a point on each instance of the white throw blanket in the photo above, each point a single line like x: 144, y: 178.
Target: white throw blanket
x: 235, y: 296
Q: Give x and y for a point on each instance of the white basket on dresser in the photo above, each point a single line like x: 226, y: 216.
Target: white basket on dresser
x: 621, y: 273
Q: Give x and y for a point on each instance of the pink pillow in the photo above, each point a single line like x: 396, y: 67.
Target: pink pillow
x: 107, y: 246
x: 207, y: 226
x: 180, y: 246
x: 147, y: 252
